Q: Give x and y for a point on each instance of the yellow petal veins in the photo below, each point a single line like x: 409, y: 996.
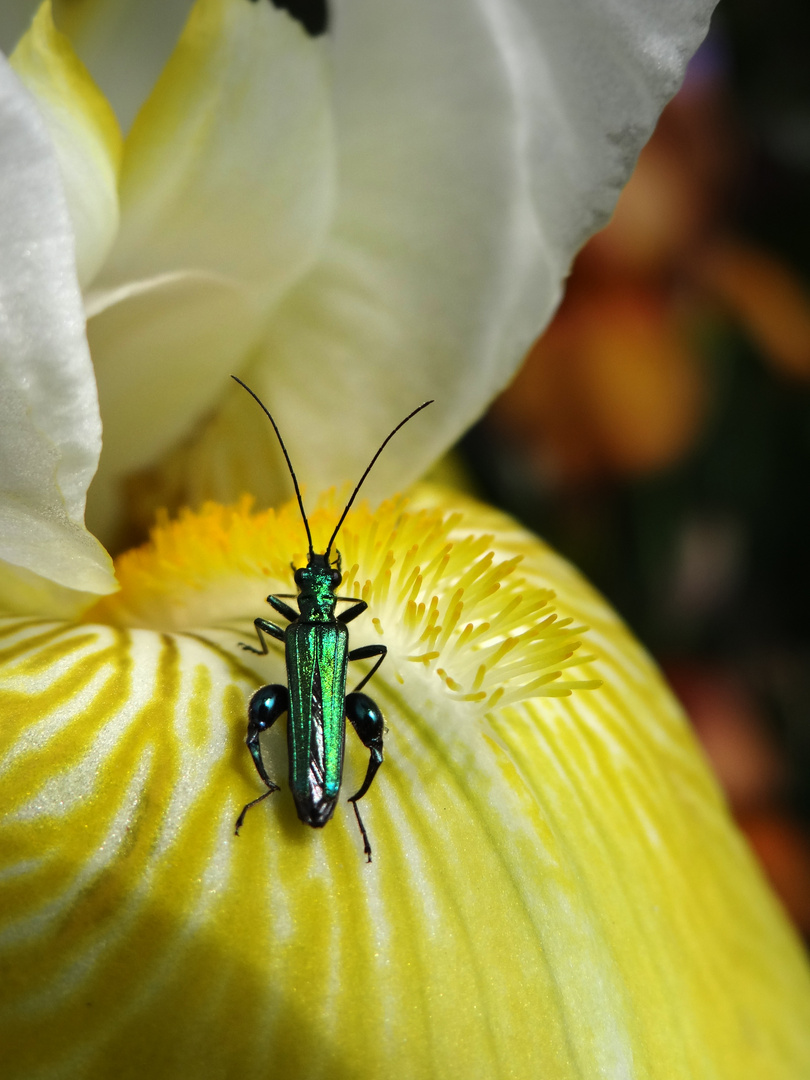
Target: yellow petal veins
x: 557, y: 890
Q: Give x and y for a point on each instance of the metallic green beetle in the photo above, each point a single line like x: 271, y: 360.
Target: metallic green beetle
x: 317, y: 653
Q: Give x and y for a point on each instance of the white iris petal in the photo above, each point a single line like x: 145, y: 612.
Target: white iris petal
x: 85, y: 134
x: 124, y: 43
x: 479, y: 144
x: 50, y: 432
x: 226, y: 194
x: 354, y: 222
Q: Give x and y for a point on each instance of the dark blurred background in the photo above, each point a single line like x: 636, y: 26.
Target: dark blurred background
x: 659, y: 433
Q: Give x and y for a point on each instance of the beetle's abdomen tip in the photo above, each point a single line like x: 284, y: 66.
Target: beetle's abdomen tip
x: 315, y: 812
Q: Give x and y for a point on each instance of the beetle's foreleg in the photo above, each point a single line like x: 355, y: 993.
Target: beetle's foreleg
x: 366, y: 718
x: 352, y: 612
x: 363, y: 653
x: 290, y: 614
x: 263, y: 627
x: 266, y: 706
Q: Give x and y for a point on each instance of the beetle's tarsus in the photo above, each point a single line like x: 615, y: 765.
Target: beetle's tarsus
x: 241, y: 819
x: 363, y: 833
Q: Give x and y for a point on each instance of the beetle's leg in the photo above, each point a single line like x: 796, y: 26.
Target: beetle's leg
x: 363, y: 833
x: 351, y: 613
x: 263, y: 627
x: 363, y: 653
x: 290, y: 614
x: 266, y: 706
x: 366, y: 718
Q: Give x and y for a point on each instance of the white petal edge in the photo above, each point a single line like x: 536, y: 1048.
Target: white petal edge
x: 50, y: 431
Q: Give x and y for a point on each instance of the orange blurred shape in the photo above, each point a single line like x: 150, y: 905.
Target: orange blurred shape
x: 612, y: 386
x: 753, y: 773
x: 660, y: 214
x: 730, y: 725
x: 766, y: 298
x: 677, y: 192
x: 784, y: 851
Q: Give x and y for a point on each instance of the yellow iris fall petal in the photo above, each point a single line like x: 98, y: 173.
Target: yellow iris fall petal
x: 557, y: 890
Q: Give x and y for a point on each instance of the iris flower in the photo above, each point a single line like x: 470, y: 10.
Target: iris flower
x: 354, y: 208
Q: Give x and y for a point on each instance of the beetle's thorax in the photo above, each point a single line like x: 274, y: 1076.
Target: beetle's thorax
x: 317, y: 583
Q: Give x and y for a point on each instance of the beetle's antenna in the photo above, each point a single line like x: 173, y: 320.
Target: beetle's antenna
x: 402, y: 423
x: 287, y: 458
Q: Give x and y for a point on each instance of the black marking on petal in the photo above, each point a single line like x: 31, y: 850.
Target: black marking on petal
x: 312, y: 14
